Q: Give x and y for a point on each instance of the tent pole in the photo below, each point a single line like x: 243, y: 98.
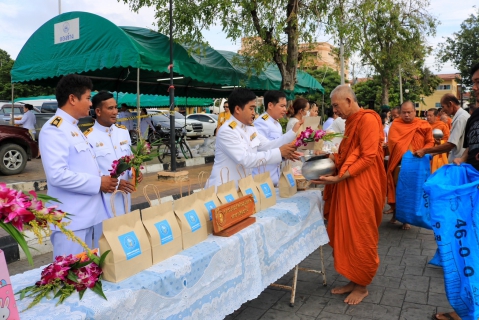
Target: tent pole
x: 172, y: 97
x: 13, y: 106
x: 138, y: 102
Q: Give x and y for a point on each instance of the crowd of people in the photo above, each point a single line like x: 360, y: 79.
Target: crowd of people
x: 77, y: 164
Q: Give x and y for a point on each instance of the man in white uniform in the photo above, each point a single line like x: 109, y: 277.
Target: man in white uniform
x: 72, y: 172
x: 110, y: 142
x: 268, y: 126
x: 238, y: 142
x: 28, y: 120
x: 124, y: 113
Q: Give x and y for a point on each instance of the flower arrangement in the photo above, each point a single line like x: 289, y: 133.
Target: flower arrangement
x: 67, y: 275
x: 310, y: 135
x: 21, y: 211
x: 140, y: 154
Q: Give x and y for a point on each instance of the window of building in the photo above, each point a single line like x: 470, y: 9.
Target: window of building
x: 444, y: 87
x: 438, y: 104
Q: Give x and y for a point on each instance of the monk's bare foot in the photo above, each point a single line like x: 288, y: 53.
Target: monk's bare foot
x: 344, y: 289
x: 448, y: 316
x: 392, y: 221
x: 390, y: 211
x: 406, y: 226
x: 357, y: 295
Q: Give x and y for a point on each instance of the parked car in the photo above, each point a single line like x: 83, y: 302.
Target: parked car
x: 194, y: 128
x: 16, y: 148
x: 209, y: 121
x: 6, y: 112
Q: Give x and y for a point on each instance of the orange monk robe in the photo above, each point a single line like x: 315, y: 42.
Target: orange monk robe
x: 354, y: 206
x: 443, y: 127
x: 403, y: 137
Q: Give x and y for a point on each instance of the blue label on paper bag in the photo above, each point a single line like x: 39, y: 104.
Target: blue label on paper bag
x: 291, y: 179
x: 250, y: 191
x: 193, y: 220
x: 164, y: 230
x: 210, y: 205
x: 229, y: 198
x: 266, y: 190
x: 130, y: 244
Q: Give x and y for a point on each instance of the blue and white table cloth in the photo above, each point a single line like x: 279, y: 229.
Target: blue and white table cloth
x: 207, y: 281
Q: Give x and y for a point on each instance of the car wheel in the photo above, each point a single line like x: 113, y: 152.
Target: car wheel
x: 13, y: 159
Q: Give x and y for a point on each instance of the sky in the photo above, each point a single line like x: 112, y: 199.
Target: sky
x: 19, y: 19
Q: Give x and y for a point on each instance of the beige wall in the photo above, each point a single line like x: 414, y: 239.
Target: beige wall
x: 435, y: 98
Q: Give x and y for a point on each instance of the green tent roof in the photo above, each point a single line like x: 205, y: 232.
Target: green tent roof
x: 110, y: 56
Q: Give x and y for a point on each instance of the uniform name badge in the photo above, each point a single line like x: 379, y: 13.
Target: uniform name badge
x: 252, y: 136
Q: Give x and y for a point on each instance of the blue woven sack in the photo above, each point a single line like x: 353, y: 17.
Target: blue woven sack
x: 454, y: 211
x: 412, y: 204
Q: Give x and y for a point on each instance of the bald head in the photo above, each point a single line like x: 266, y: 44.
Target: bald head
x: 343, y: 101
x: 449, y: 104
x: 408, y: 112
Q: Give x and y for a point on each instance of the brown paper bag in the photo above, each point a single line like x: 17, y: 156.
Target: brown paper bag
x: 126, y: 237
x: 191, y: 220
x: 162, y: 228
x: 264, y: 184
x: 247, y: 186
x: 226, y: 192
x: 287, y: 183
x: 209, y: 201
x: 152, y: 202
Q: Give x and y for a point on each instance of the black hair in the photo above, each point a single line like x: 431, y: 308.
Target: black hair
x: 28, y: 106
x: 239, y: 97
x: 143, y: 110
x: 474, y: 68
x: 383, y: 116
x: 449, y: 97
x: 272, y: 96
x: 329, y: 112
x: 98, y: 99
x: 434, y: 110
x: 72, y: 84
x: 298, y: 105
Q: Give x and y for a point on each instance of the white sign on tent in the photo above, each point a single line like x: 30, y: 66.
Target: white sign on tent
x: 67, y: 31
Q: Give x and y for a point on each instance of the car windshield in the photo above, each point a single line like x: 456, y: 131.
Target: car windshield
x: 214, y: 116
x: 179, y: 115
x: 160, y: 118
x: 8, y: 110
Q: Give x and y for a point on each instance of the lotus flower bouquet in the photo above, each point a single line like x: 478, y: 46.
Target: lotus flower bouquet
x: 66, y: 275
x: 140, y: 154
x: 21, y: 211
x: 310, y: 135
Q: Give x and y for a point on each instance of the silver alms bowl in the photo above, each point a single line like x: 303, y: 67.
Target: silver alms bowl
x: 437, y: 134
x: 318, y: 166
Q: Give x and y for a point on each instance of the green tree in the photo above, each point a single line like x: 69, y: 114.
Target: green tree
x: 20, y: 90
x: 274, y: 27
x: 462, y: 49
x: 391, y: 35
x: 329, y: 79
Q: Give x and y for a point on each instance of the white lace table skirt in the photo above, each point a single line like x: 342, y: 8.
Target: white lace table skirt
x: 207, y: 281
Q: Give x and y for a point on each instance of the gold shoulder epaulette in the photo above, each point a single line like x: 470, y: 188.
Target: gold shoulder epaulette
x: 120, y: 126
x: 265, y: 117
x: 56, y: 122
x: 233, y: 124
x: 88, y: 131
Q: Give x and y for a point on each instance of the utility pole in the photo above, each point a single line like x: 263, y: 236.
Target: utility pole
x: 341, y: 43
x: 172, y: 97
x: 400, y: 86
x: 59, y: 7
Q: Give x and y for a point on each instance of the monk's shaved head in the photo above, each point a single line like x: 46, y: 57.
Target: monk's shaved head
x: 344, y: 102
x: 408, y: 112
x: 344, y: 91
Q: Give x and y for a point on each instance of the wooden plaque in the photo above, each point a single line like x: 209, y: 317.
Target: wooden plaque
x: 231, y: 217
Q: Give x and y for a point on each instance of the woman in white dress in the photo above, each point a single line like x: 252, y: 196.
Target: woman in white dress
x: 296, y: 112
x: 145, y: 123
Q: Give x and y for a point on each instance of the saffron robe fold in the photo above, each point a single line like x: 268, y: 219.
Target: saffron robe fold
x: 354, y: 206
x: 403, y: 137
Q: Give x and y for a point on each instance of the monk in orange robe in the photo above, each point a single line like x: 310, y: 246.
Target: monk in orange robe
x: 354, y: 197
x: 445, y: 118
x: 436, y: 123
x: 406, y: 133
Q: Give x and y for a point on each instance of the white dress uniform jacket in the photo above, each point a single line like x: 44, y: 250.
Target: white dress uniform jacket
x: 272, y: 130
x: 28, y: 121
x: 111, y: 144
x: 237, y: 143
x: 72, y: 172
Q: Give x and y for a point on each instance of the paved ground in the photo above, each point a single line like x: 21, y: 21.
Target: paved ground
x: 405, y: 287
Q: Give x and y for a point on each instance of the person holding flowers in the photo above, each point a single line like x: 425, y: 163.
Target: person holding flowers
x: 110, y: 142
x: 72, y: 172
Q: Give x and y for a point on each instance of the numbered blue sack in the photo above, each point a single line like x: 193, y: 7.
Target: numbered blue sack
x: 454, y: 199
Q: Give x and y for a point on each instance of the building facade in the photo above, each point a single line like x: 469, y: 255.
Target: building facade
x: 448, y: 85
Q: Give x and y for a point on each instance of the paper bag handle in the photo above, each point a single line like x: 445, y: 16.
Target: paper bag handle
x: 155, y: 189
x: 221, y: 174
x: 238, y: 167
x: 181, y: 186
x: 201, y: 176
x: 112, y: 201
x: 262, y: 164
